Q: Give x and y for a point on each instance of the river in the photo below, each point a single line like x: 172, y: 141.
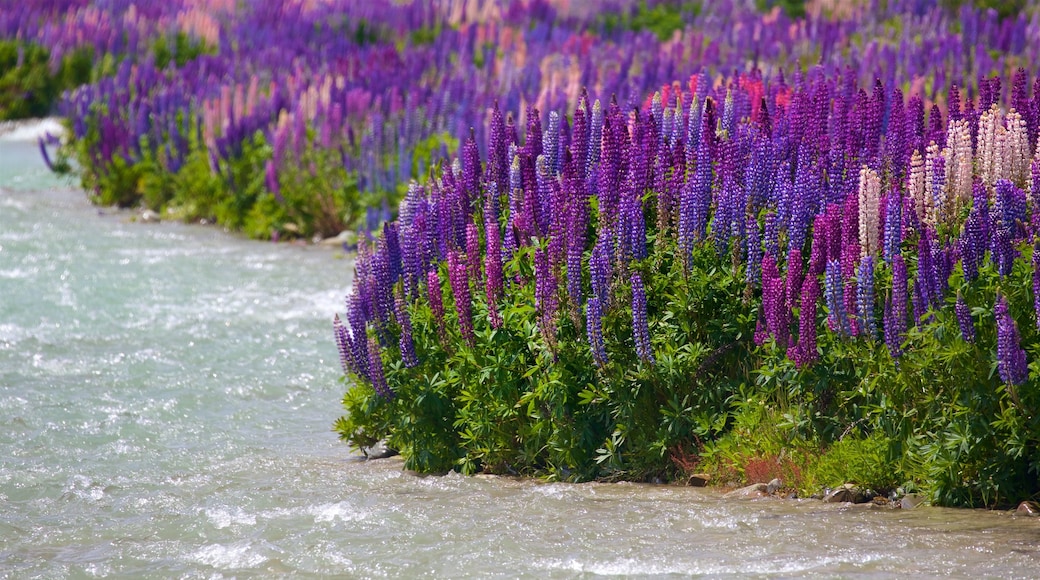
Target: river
x: 166, y: 400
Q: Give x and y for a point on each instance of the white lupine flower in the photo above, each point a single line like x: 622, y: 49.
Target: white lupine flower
x: 959, y: 161
x: 869, y: 211
x: 1016, y: 148
x: 988, y: 152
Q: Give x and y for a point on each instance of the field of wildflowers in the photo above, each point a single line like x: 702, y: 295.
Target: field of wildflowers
x: 629, y: 244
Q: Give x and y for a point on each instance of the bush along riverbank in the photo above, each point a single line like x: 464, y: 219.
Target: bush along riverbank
x: 811, y: 282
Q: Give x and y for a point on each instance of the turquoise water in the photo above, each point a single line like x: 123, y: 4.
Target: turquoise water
x: 166, y: 396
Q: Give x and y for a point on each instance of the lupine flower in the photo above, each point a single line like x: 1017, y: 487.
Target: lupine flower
x: 594, y: 329
x: 405, y: 342
x: 473, y: 252
x: 893, y: 226
x: 1011, y: 358
x: 895, y: 312
x: 837, y: 317
x: 433, y: 294
x: 460, y: 290
x: 545, y: 294
x: 640, y: 327
x: 869, y: 211
x: 804, y: 353
x: 865, y: 297
x: 964, y: 319
x: 375, y: 369
x: 1036, y: 280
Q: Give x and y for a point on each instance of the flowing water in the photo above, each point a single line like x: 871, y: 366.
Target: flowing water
x: 166, y: 395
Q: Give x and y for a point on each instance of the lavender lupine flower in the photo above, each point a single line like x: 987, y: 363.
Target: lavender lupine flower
x: 1011, y: 358
x: 964, y: 319
x: 804, y: 353
x: 375, y: 370
x: 640, y: 326
x: 405, y: 342
x: 457, y: 275
x: 865, y: 297
x: 837, y: 317
x: 594, y: 329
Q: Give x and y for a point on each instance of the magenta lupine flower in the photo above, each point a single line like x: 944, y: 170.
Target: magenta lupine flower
x: 594, y: 329
x: 804, y: 353
x: 964, y: 319
x: 493, y: 276
x: 405, y: 342
x: 640, y: 325
x: 795, y: 277
x: 433, y: 292
x: 457, y: 275
x: 1011, y: 358
x: 375, y: 370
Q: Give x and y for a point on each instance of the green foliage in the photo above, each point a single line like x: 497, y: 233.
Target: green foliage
x: 179, y: 48
x: 664, y: 19
x: 27, y: 86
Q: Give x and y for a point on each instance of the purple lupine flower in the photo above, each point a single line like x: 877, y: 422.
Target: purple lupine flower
x: 471, y: 170
x: 865, y: 297
x: 964, y: 319
x: 896, y: 313
x: 473, y: 252
x: 1010, y: 206
x: 375, y: 370
x: 577, y: 224
x: 551, y: 143
x: 837, y: 317
x: 457, y: 275
x: 773, y: 304
x: 600, y: 270
x: 695, y: 198
x: 1036, y: 280
x: 893, y: 230
x: 752, y: 251
x: 640, y: 325
x: 433, y: 293
x: 973, y: 241
x: 1011, y: 358
x: 405, y: 342
x: 343, y: 345
x: 493, y: 275
x: 804, y: 353
x: 795, y: 278
x: 594, y: 329
x: 545, y: 294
